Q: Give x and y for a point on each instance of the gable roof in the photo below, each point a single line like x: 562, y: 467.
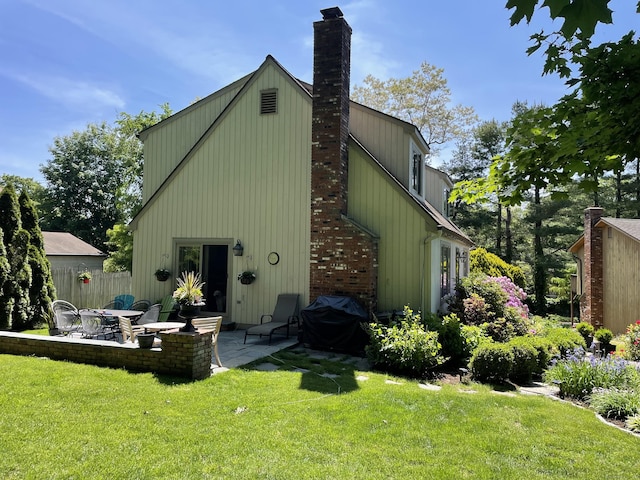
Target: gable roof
x: 63, y: 243
x: 627, y: 226
x: 307, y: 90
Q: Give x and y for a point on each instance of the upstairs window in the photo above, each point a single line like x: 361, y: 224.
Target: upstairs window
x: 268, y: 101
x: 416, y: 172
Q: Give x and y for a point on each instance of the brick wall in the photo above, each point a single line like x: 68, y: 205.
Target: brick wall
x: 592, y: 301
x: 182, y: 354
x: 343, y: 256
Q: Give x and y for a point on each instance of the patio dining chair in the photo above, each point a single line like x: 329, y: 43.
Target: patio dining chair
x: 213, y: 324
x: 284, y: 315
x: 94, y: 324
x: 128, y: 331
x: 150, y: 315
x: 114, y: 305
x: 140, y: 305
x: 66, y: 317
x: 127, y: 301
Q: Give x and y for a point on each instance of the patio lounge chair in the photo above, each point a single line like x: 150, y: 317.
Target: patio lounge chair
x: 210, y: 323
x: 150, y: 315
x: 128, y: 331
x: 284, y: 315
x: 141, y: 305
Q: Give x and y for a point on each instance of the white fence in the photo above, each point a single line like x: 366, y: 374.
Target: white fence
x: 101, y: 289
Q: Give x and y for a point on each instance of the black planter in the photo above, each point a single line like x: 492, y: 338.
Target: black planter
x: 189, y: 312
x: 162, y: 276
x: 246, y: 280
x: 145, y: 340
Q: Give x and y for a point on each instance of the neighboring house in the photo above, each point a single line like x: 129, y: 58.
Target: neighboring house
x: 64, y: 250
x: 608, y: 257
x: 325, y: 196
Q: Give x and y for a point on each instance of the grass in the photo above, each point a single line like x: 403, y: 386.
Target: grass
x: 63, y: 420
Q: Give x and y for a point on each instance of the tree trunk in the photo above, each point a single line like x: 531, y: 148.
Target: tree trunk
x: 499, y: 230
x: 539, y: 273
x: 508, y: 257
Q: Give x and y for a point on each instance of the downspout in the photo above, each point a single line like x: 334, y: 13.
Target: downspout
x: 428, y: 238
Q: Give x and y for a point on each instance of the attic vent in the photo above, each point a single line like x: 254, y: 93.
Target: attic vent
x: 268, y: 101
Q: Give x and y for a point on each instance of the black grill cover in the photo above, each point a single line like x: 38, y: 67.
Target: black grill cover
x: 335, y: 323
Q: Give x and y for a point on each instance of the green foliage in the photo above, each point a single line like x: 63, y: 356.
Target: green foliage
x: 525, y: 361
x: 449, y: 336
x: 603, y: 335
x: 490, y: 264
x: 585, y: 329
x: 580, y: 375
x: 492, y: 362
x: 615, y: 403
x: 633, y: 423
x: 405, y: 347
x: 120, y: 245
x: 472, y: 337
x: 41, y: 291
x: 543, y: 350
x: 564, y: 340
x: 493, y: 303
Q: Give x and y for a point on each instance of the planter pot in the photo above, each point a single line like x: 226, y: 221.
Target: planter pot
x: 162, y: 277
x: 188, y: 312
x: 86, y: 280
x: 246, y: 281
x: 54, y: 332
x: 145, y: 340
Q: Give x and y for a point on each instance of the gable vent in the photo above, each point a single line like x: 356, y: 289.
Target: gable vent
x: 268, y: 101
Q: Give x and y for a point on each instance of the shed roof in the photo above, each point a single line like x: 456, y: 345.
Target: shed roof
x: 64, y: 243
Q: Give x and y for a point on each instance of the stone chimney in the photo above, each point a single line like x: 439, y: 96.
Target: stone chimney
x: 343, y: 256
x: 592, y: 302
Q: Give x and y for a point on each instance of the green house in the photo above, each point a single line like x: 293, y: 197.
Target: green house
x: 313, y: 193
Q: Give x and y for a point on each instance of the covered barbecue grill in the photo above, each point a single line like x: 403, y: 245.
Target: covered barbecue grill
x: 335, y: 323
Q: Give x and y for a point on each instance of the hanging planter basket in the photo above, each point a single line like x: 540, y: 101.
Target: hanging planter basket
x: 162, y: 274
x: 247, y: 278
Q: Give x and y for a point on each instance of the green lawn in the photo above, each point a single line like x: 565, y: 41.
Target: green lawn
x: 63, y: 420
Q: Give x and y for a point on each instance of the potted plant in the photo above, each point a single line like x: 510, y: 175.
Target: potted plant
x: 247, y: 277
x: 604, y: 336
x: 84, y: 277
x: 188, y: 295
x: 586, y: 330
x: 162, y: 274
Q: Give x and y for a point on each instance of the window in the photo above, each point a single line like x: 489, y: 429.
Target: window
x: 417, y: 167
x: 446, y: 206
x: 445, y: 270
x: 268, y: 101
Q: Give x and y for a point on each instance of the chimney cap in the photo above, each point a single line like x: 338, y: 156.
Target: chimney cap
x: 331, y: 13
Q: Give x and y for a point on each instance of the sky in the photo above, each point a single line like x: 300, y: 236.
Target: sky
x: 67, y: 63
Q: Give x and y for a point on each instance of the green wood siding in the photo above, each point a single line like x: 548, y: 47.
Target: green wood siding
x: 250, y: 180
x: 166, y: 146
x: 404, y: 257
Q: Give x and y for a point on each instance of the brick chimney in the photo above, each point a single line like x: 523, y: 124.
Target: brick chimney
x: 592, y: 302
x: 343, y: 256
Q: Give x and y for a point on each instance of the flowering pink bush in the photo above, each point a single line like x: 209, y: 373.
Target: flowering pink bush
x: 516, y: 295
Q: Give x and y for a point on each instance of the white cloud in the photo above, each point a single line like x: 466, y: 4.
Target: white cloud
x: 73, y: 94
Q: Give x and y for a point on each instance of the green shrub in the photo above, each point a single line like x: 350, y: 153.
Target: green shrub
x: 449, y: 336
x: 564, y: 340
x: 472, y: 337
x: 632, y: 341
x: 543, y: 349
x: 603, y: 335
x: 490, y: 264
x: 405, y: 347
x: 525, y: 361
x: 492, y: 362
x: 585, y: 329
x: 614, y: 403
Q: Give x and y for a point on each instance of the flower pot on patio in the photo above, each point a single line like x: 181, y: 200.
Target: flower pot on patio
x: 145, y: 340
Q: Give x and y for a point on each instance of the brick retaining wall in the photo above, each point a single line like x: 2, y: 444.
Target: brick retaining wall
x: 182, y: 354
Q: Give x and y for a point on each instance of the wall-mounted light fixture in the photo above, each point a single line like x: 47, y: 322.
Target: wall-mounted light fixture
x: 238, y: 249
